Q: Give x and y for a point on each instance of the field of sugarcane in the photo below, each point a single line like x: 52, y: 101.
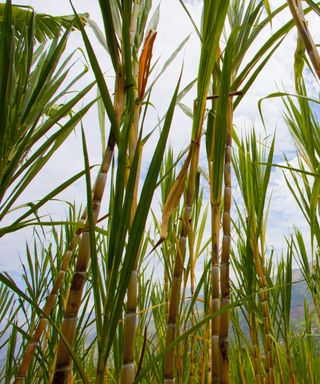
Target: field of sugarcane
x: 190, y: 292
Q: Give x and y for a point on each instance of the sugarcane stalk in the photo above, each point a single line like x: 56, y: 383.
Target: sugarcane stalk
x: 215, y: 268
x: 208, y: 336
x: 169, y: 361
x: 129, y: 330
x: 215, y: 290
x: 63, y: 364
x: 193, y: 319
x: 215, y: 278
x: 225, y: 255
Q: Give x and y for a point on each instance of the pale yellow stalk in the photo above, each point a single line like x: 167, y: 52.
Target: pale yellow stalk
x: 225, y: 256
x: 63, y: 367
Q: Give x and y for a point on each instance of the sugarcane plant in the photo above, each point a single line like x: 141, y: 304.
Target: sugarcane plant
x: 34, y: 84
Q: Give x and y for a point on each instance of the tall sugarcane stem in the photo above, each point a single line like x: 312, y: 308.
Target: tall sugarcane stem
x: 63, y: 363
x: 129, y: 329
x: 225, y: 256
x: 215, y: 269
x: 215, y: 293
x: 169, y: 361
x: 169, y: 364
x: 193, y: 320
x: 62, y: 370
x: 208, y: 339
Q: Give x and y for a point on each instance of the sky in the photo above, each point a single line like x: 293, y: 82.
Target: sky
x: 174, y: 27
